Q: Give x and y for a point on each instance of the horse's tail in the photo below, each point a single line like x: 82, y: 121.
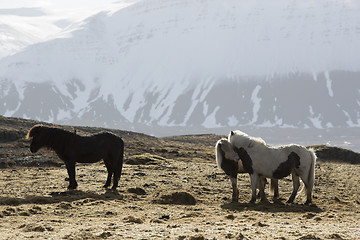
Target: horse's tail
x: 311, y: 174
x: 121, y: 160
x: 218, y: 154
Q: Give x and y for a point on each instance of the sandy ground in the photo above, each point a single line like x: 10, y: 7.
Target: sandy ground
x: 154, y: 201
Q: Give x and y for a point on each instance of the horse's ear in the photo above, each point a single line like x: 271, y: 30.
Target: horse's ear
x: 232, y: 133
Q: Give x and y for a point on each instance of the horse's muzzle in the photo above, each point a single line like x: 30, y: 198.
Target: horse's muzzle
x: 33, y: 149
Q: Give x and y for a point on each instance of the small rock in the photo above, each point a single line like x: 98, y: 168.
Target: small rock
x: 38, y: 229
x: 137, y: 191
x: 197, y: 237
x: 260, y: 224
x: 150, y: 185
x: 156, y: 221
x: 309, y: 237
x: 110, y: 213
x: 25, y: 214
x: 141, y: 174
x: 228, y: 236
x: 309, y: 215
x: 165, y: 217
x: 65, y: 206
x: 132, y: 219
x: 230, y: 216
x: 240, y: 237
x: 105, y: 235
x: 181, y: 198
x: 335, y: 236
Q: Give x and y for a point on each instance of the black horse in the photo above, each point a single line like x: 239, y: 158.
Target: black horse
x: 72, y: 148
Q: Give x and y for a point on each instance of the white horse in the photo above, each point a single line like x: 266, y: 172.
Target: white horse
x: 227, y: 160
x: 260, y: 159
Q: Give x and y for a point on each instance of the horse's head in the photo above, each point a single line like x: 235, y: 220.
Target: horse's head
x: 238, y: 138
x: 228, y: 149
x: 36, y: 133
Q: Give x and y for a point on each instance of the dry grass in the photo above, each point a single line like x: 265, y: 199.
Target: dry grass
x: 170, y: 188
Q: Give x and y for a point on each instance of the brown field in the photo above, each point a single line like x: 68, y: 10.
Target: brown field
x: 170, y: 188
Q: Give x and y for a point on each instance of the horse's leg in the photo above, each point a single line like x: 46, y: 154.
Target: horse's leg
x: 108, y: 180
x: 296, y: 185
x: 110, y: 173
x: 254, y: 180
x: 116, y: 176
x: 70, y: 167
x: 235, y: 194
x: 308, y: 195
x: 117, y: 171
x: 308, y: 190
x: 263, y: 182
x: 261, y: 185
x: 274, y: 187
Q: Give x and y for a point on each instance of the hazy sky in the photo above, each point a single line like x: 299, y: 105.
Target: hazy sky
x: 27, y: 22
x: 74, y: 9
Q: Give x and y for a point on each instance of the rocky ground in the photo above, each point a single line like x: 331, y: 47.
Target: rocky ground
x: 170, y: 188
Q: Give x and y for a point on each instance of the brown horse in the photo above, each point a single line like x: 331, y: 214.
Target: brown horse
x: 72, y: 148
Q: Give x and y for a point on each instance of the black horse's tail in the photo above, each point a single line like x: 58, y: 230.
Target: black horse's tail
x: 121, y: 160
x: 119, y: 164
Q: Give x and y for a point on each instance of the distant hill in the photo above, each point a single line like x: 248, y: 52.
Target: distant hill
x: 139, y: 148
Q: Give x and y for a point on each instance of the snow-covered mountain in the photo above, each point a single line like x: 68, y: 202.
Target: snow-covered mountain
x: 195, y: 64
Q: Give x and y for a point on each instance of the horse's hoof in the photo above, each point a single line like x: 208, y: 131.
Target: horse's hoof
x: 308, y: 202
x: 289, y: 201
x: 71, y: 187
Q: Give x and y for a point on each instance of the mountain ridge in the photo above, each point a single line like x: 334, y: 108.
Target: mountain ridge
x: 194, y: 65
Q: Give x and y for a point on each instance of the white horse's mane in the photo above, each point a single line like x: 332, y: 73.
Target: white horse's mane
x: 224, y: 145
x: 245, y: 139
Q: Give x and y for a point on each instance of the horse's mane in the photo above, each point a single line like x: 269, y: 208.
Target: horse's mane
x: 219, y: 151
x: 51, y: 137
x: 246, y: 140
x: 32, y: 131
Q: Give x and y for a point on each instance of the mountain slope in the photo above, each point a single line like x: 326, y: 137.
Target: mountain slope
x: 195, y: 64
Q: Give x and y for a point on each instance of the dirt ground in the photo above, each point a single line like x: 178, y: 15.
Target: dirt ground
x: 175, y: 200
x: 170, y: 188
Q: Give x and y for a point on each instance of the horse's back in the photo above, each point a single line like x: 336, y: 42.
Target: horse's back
x: 99, y: 144
x: 108, y: 141
x: 109, y: 137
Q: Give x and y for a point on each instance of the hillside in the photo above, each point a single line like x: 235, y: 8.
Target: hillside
x: 199, y: 148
